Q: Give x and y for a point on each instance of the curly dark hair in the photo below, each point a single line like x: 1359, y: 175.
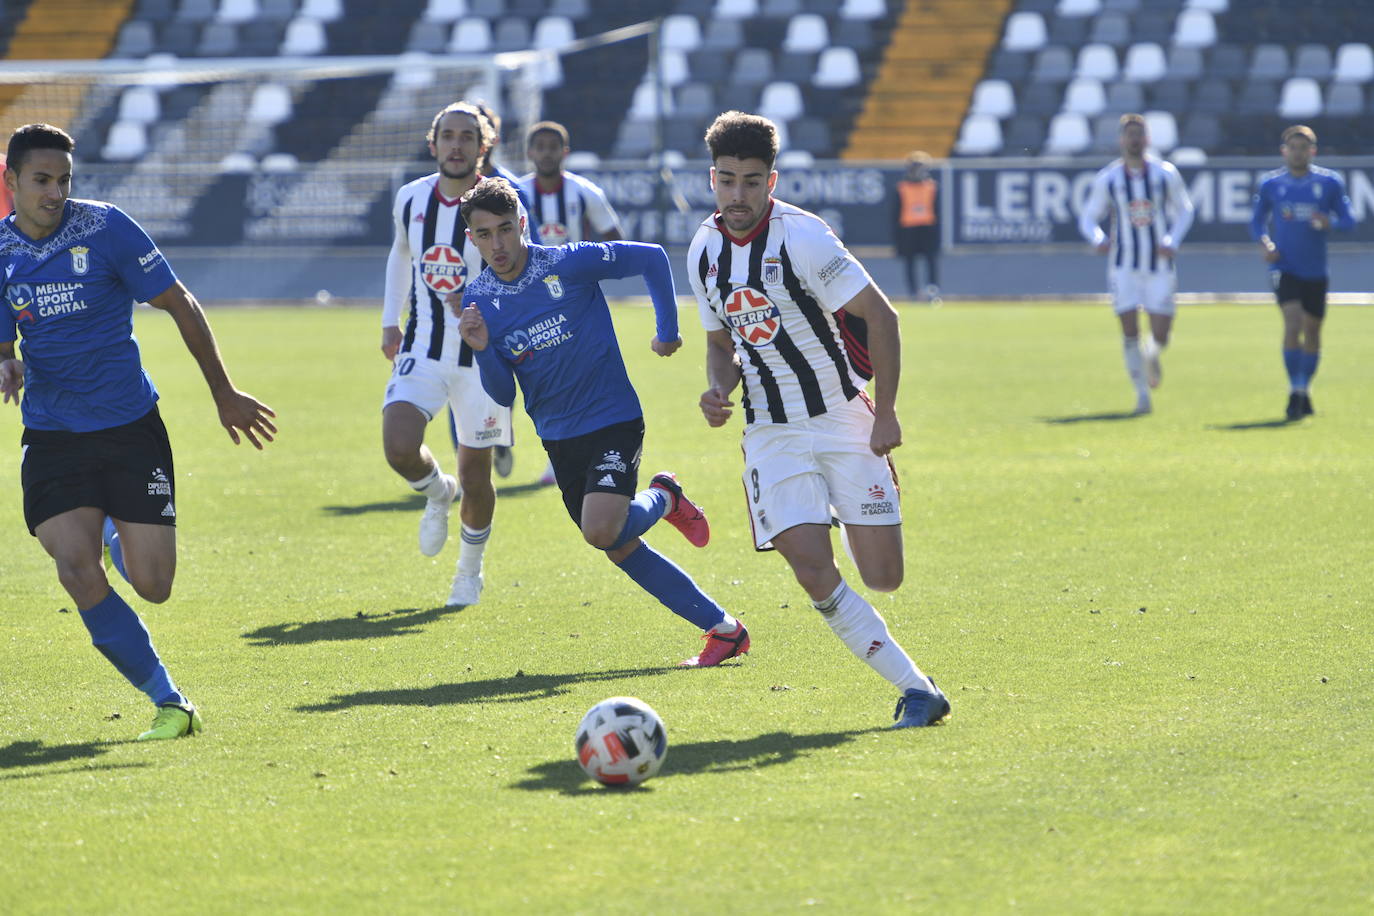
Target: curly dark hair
x: 494, y: 195
x: 743, y: 136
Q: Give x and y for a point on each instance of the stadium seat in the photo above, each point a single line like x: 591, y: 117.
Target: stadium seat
x: 811, y: 135
x: 553, y: 32
x: 781, y: 102
x: 673, y: 67
x: 734, y: 97
x: 1202, y: 130
x: 780, y: 9
x: 1025, y: 32
x: 838, y: 68
x: 238, y: 163
x: 979, y: 135
x: 993, y: 98
x: 853, y: 33
x: 1111, y: 29
x: 1121, y: 6
x: 1097, y: 62
x: 139, y: 105
x: 795, y: 159
x: 1072, y: 8
x: 582, y: 161
x: 322, y: 10
x: 126, y: 140
x: 1214, y: 97
x: 1163, y: 130
x: 863, y: 9
x: 470, y: 36
x: 1085, y: 96
x: 735, y: 9
x: 1301, y: 98
x: 576, y: 10
x: 1012, y: 66
x: 260, y: 38
x: 696, y: 100
x: 196, y: 10
x: 807, y: 32
x: 1169, y: 95
x: 154, y: 10
x: 1153, y: 25
x: 277, y: 10
x: 1022, y: 135
x: 1106, y: 134
x: 218, y: 39
x: 270, y: 104
x: 1257, y: 98
x: 428, y: 37
x: 1313, y: 61
x: 237, y: 11
x: 303, y: 36
x: 512, y: 34
x: 646, y: 99
x: 752, y: 67
x: 1071, y: 33
x: 549, y: 71
x: 1184, y: 64
x: 1195, y: 29
x: 1125, y: 97
x: 444, y: 11
x: 1068, y: 135
x: 635, y: 139
x: 1344, y: 100
x: 1269, y: 62
x: 1041, y: 99
x: 1212, y: 6
x: 1226, y: 62
x: 178, y: 38
x: 279, y: 163
x: 1186, y: 157
x: 1052, y: 65
x: 1145, y: 63
x: 795, y: 67
x: 136, y: 40
x: 1354, y: 63
x: 681, y: 33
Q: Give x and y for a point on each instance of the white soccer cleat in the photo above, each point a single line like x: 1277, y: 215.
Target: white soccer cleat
x: 466, y: 590
x: 1154, y: 372
x: 434, y: 523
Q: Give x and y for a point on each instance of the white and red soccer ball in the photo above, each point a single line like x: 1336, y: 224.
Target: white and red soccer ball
x: 621, y: 741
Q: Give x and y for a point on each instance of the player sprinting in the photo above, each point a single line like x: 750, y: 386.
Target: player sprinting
x: 1151, y: 213
x: 97, y: 463
x: 769, y: 279
x: 537, y: 315
x: 430, y: 257
x: 564, y: 206
x: 1303, y: 202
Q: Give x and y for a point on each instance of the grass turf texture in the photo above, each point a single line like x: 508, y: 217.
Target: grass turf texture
x: 1155, y: 633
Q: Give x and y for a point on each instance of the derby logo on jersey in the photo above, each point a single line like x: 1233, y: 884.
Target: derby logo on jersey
x: 553, y: 233
x: 80, y: 260
x: 772, y: 271
x: 443, y: 269
x: 1142, y: 212
x: 20, y: 297
x: 753, y: 316
x: 555, y: 286
x: 518, y: 343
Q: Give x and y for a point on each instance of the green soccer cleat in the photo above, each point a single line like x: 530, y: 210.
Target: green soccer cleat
x: 173, y: 721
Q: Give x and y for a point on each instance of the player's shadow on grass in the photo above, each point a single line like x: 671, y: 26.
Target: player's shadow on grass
x: 24, y: 754
x: 1253, y: 424
x: 518, y: 688
x: 1092, y: 417
x: 400, y: 622
x: 416, y: 503
x: 724, y: 756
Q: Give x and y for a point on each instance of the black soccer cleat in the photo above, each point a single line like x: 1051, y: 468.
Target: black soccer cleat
x: 1307, y: 410
x: 1294, y: 410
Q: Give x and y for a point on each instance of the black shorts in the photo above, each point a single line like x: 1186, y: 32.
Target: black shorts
x: 124, y: 470
x: 1311, y: 293
x: 604, y: 460
x: 914, y: 240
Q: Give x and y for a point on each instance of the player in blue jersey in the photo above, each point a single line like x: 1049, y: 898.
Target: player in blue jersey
x: 96, y: 458
x: 537, y: 315
x: 1303, y: 202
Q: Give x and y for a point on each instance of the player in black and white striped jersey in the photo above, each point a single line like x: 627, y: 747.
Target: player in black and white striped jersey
x: 1150, y: 214
x: 430, y: 257
x: 770, y: 279
x: 566, y: 207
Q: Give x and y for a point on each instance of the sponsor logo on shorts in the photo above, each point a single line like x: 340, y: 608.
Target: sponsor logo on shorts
x: 492, y: 432
x: 607, y: 481
x: 611, y: 461
x: 161, y: 486
x: 877, y: 507
x: 168, y: 511
x: 876, y: 492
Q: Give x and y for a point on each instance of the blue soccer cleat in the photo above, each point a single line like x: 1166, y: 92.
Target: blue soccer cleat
x: 919, y: 708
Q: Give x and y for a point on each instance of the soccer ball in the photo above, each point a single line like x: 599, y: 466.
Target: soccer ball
x: 621, y: 741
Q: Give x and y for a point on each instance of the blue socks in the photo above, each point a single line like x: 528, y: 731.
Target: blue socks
x: 1309, y: 366
x: 1301, y: 366
x: 121, y: 637
x: 665, y: 580
x: 646, y: 509
x: 111, y: 538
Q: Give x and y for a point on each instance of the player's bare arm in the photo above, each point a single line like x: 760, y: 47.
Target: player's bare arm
x: 11, y: 373
x: 723, y: 373
x: 238, y: 411
x: 885, y: 352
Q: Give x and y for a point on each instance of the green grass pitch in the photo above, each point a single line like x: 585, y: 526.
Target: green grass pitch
x: 1155, y: 633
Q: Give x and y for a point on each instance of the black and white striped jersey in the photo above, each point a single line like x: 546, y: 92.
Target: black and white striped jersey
x: 430, y: 257
x: 778, y: 292
x: 567, y: 214
x: 1149, y: 209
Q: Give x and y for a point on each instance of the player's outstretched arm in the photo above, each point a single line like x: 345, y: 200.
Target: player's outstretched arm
x: 722, y: 375
x: 885, y: 353
x: 11, y: 373
x: 238, y: 411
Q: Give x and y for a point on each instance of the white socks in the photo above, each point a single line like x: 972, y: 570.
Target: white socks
x: 470, y: 553
x: 860, y: 627
x: 1135, y: 364
x: 432, y: 485
x: 726, y: 625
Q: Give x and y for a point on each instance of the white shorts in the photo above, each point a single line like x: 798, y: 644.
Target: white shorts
x: 806, y: 471
x: 1150, y: 290
x: 429, y: 384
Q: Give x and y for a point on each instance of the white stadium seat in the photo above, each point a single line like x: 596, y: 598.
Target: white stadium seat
x: 837, y: 68
x: 1188, y: 156
x: 279, y: 162
x: 674, y: 67
x: 1163, y: 130
x: 806, y: 33
x: 1069, y: 134
x: 863, y: 9
x: 582, y: 161
x: 238, y: 164
x: 643, y: 102
x: 795, y: 159
x: 322, y: 10
x: 303, y: 36
x: 1195, y: 29
x: 680, y: 32
x: 237, y: 10
x: 735, y: 9
x: 1211, y: 6
x: 980, y: 135
x: 445, y: 11
x: 1025, y: 32
x: 271, y: 104
x: 1085, y: 96
x: 416, y: 71
x: 1145, y: 63
x: 126, y: 140
x: 553, y: 32
x: 781, y: 101
x: 140, y: 105
x: 1354, y: 63
x: 1301, y: 98
x: 471, y: 35
x: 993, y: 98
x: 1097, y: 62
x: 1072, y: 9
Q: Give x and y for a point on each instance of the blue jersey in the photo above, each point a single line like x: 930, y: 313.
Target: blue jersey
x: 550, y: 328
x: 1291, y: 202
x: 71, y: 296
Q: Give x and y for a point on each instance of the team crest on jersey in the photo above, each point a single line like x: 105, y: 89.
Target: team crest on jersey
x: 1142, y: 212
x: 553, y: 233
x: 753, y: 316
x: 20, y: 297
x: 80, y: 259
x: 772, y: 271
x: 555, y: 286
x: 443, y: 269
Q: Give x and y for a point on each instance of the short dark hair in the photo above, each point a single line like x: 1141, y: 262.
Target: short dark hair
x: 1300, y: 130
x: 36, y: 136
x: 1128, y: 119
x: 546, y: 127
x: 484, y: 131
x: 743, y: 136
x: 493, y: 195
